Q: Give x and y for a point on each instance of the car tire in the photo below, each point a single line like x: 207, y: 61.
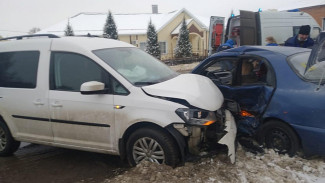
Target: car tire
x: 8, y: 145
x: 152, y: 144
x: 280, y: 137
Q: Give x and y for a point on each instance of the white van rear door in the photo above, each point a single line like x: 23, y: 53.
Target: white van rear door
x: 248, y: 28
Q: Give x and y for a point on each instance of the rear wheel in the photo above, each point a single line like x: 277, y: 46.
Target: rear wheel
x: 152, y: 144
x: 280, y: 137
x: 7, y: 144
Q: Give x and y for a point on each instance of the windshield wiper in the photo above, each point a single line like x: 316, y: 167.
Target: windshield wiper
x: 144, y: 83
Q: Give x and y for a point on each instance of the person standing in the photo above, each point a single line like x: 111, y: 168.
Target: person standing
x: 270, y: 41
x: 227, y: 45
x: 302, y: 39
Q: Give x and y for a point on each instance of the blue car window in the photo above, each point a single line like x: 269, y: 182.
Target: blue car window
x: 221, y: 71
x: 254, y: 71
x: 298, y: 62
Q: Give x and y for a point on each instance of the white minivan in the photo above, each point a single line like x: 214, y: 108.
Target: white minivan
x: 107, y: 96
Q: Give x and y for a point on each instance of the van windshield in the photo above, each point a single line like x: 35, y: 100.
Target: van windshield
x: 136, y: 66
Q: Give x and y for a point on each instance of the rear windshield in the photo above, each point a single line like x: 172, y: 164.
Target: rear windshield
x: 298, y: 63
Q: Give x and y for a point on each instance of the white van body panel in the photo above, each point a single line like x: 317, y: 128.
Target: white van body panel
x: 33, y: 102
x: 280, y: 25
x: 188, y: 87
x: 56, y: 113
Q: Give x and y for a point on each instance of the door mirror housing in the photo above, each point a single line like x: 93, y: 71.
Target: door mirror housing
x: 93, y: 87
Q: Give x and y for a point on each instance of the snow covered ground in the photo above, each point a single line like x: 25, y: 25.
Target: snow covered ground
x: 183, y: 68
x: 269, y: 167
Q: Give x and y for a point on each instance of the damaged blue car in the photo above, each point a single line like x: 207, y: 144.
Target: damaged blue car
x: 277, y: 94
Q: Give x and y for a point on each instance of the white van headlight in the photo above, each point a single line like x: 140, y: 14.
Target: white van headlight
x: 196, y: 116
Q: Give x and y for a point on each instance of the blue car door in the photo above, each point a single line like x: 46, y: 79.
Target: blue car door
x: 249, y: 81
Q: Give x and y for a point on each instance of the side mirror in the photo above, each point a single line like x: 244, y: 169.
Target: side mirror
x: 92, y: 87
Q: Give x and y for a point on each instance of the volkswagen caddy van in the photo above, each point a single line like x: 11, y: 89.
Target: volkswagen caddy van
x: 106, y: 96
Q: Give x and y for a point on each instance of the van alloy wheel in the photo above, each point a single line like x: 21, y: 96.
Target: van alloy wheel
x: 3, y: 139
x: 148, y: 149
x: 152, y: 144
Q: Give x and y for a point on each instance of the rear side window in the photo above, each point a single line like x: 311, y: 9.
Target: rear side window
x: 19, y: 69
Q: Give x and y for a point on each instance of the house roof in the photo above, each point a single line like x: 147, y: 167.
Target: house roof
x: 176, y: 30
x: 127, y: 24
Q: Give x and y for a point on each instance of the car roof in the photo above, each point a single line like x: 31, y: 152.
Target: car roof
x: 68, y: 43
x: 283, y: 50
x: 91, y: 43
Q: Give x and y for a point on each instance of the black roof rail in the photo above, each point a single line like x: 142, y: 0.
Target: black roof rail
x: 32, y: 35
x: 87, y: 35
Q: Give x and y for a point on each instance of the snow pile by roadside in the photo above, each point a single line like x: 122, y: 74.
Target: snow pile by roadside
x: 183, y: 68
x: 270, y: 167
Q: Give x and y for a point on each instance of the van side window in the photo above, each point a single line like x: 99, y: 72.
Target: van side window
x: 69, y: 71
x: 118, y: 88
x: 19, y: 69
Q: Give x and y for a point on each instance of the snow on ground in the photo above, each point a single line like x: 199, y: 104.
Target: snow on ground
x: 269, y: 167
x: 183, y: 68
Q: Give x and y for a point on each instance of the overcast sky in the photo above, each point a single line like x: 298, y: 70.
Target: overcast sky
x: 17, y: 17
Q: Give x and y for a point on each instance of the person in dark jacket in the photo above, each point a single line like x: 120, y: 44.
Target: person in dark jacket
x: 227, y: 45
x: 302, y: 39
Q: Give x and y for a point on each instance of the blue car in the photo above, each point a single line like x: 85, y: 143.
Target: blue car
x: 277, y: 93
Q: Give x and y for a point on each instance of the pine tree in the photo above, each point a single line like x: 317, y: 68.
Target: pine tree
x: 110, y: 30
x: 68, y: 30
x: 34, y: 30
x: 183, y: 46
x: 152, y: 41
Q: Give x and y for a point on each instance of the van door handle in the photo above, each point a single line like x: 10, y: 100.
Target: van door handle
x: 38, y: 102
x: 56, y: 104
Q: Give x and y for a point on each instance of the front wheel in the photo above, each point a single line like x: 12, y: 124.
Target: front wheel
x: 7, y: 144
x: 152, y: 144
x: 280, y: 137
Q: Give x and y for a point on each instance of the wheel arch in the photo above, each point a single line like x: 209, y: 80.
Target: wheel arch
x: 3, y: 121
x: 269, y: 119
x: 176, y: 136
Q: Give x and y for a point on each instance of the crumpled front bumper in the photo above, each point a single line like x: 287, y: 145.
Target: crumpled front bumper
x: 223, y: 132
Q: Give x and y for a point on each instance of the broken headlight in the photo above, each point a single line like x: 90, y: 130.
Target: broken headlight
x: 196, y: 116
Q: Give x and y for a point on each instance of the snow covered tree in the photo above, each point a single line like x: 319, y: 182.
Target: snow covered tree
x: 68, y: 30
x: 152, y: 41
x: 110, y: 30
x: 183, y: 46
x: 34, y: 30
